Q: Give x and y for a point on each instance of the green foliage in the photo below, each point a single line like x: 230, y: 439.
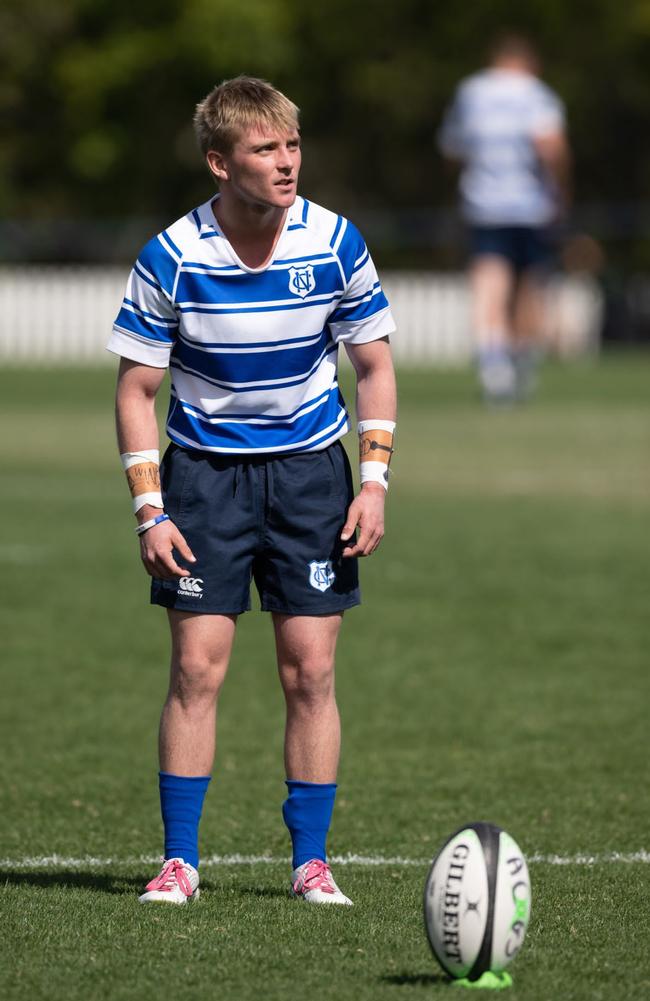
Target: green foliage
x: 97, y: 96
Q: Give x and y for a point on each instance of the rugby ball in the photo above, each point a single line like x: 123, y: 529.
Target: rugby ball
x: 477, y: 901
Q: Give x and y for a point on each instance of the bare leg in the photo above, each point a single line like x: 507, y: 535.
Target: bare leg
x: 306, y: 647
x: 528, y: 340
x: 201, y: 647
x: 528, y: 309
x: 492, y: 284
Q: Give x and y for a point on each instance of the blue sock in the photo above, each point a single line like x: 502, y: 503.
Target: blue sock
x: 307, y: 812
x: 181, y: 802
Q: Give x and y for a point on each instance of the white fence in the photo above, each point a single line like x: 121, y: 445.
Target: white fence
x: 63, y: 315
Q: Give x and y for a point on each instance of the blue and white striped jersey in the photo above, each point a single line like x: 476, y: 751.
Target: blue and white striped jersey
x: 490, y: 126
x: 252, y: 352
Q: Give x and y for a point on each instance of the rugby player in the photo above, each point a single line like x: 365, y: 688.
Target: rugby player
x: 507, y: 130
x: 246, y: 300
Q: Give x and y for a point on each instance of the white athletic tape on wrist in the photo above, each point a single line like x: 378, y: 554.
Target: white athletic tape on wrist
x: 143, y: 477
x: 374, y: 472
x: 153, y: 498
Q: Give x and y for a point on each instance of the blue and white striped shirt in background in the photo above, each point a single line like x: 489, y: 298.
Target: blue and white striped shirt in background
x: 490, y: 126
x: 252, y: 352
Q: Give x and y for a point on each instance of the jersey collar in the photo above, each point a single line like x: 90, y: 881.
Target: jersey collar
x: 208, y: 229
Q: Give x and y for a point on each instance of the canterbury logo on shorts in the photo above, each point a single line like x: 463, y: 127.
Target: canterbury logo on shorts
x: 190, y: 586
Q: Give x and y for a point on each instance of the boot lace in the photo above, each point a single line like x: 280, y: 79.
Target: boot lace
x: 171, y: 875
x: 316, y: 876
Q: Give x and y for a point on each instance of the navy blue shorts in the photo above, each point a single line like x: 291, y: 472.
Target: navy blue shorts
x: 523, y: 246
x: 275, y: 519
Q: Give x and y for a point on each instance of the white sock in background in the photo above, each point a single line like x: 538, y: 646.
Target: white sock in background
x: 496, y: 373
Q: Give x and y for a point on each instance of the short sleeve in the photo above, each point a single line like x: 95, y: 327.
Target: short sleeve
x: 146, y: 326
x: 547, y: 113
x: 363, y: 313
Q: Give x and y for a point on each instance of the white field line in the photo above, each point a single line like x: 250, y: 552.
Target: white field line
x: 91, y: 862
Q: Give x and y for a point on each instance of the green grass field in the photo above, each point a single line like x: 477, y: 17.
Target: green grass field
x: 497, y: 670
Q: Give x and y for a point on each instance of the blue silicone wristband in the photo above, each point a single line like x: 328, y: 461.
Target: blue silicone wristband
x: 146, y: 525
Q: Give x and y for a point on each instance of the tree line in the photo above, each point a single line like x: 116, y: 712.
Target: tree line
x: 96, y: 100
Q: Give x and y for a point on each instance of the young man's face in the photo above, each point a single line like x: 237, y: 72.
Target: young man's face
x: 261, y: 168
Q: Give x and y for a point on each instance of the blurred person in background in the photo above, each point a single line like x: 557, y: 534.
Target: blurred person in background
x: 506, y: 130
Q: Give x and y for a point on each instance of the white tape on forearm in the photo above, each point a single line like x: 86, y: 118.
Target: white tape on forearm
x: 375, y: 425
x: 149, y: 458
x: 374, y: 472
x: 133, y: 458
x: 371, y: 471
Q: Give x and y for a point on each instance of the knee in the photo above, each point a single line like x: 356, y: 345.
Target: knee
x: 309, y: 683
x: 196, y: 679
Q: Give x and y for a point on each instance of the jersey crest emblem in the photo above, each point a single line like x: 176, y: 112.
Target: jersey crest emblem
x: 302, y: 281
x: 321, y: 575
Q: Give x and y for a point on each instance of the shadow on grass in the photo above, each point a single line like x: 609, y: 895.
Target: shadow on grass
x: 416, y: 979
x: 97, y: 881
x: 113, y: 883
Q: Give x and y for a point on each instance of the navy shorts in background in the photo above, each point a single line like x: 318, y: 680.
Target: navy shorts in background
x: 523, y: 246
x: 275, y: 519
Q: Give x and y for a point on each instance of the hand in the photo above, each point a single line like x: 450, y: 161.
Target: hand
x: 156, y: 551
x: 366, y: 511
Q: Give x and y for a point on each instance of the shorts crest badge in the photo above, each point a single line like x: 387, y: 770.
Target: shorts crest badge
x: 321, y: 575
x: 302, y: 281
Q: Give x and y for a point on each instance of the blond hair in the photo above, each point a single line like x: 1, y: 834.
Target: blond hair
x: 237, y: 105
